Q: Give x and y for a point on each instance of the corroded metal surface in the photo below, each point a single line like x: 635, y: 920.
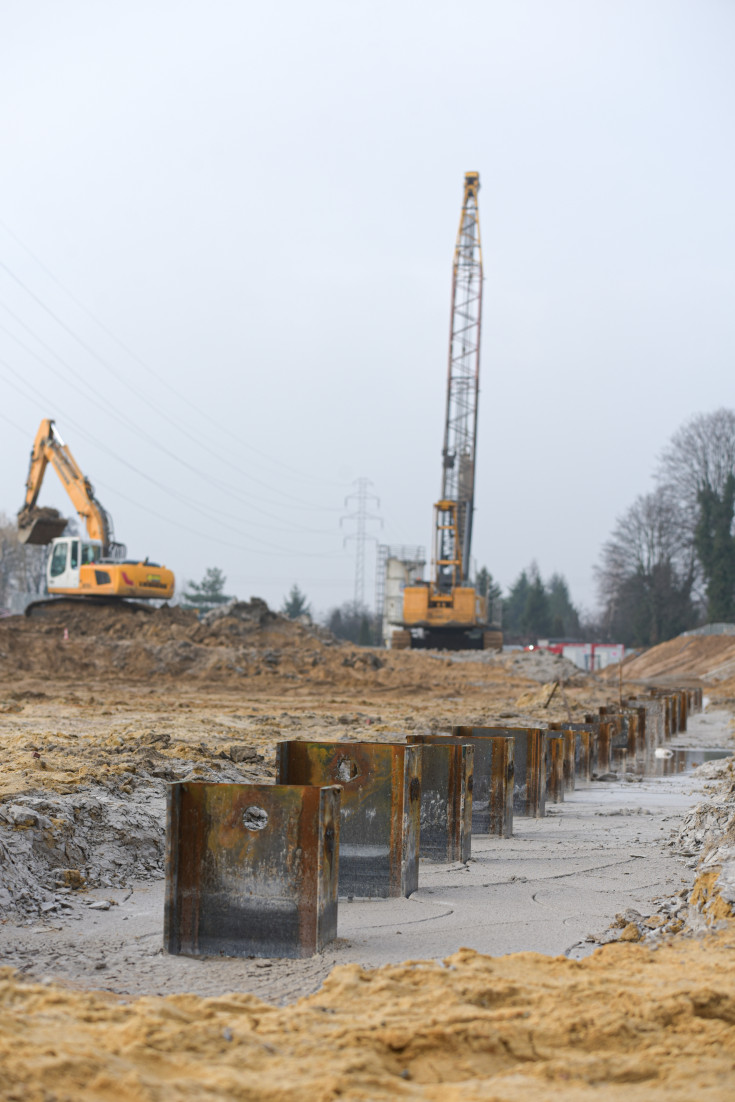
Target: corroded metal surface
x: 380, y: 810
x: 554, y: 766
x: 618, y: 735
x: 654, y: 728
x: 580, y: 736
x: 529, y: 758
x: 583, y: 755
x: 570, y: 770
x: 694, y: 701
x: 570, y: 754
x: 641, y: 738
x: 447, y: 784
x: 492, y: 779
x: 251, y: 870
x: 675, y: 704
x: 684, y: 709
x: 626, y: 744
x: 601, y: 743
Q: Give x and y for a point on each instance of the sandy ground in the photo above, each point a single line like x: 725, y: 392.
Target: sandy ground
x: 82, y: 794
x: 554, y: 887
x: 546, y: 889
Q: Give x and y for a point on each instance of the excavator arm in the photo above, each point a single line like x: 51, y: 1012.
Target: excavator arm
x: 42, y: 525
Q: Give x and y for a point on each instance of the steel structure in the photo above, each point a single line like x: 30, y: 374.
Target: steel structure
x: 361, y: 516
x: 411, y: 557
x: 453, y: 516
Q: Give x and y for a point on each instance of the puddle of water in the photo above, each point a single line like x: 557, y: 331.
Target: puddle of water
x: 670, y: 760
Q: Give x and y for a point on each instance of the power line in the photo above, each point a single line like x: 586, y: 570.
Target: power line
x: 215, y: 539
x: 229, y: 490
x: 107, y: 407
x: 214, y: 515
x: 142, y: 397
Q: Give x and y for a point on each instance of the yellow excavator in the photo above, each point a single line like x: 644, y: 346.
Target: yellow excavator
x: 95, y: 568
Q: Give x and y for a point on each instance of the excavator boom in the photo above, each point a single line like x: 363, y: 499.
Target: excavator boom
x: 41, y: 526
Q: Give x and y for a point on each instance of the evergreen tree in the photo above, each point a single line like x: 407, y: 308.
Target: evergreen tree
x: 515, y: 605
x: 296, y: 604
x: 534, y: 609
x: 536, y: 618
x: 365, y: 634
x: 715, y: 547
x: 207, y: 594
x: 563, y: 615
x: 486, y: 586
x: 352, y: 622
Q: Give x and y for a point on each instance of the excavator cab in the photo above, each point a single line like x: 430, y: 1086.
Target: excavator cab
x: 66, y: 559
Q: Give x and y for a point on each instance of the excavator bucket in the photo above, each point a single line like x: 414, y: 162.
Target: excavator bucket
x: 39, y: 526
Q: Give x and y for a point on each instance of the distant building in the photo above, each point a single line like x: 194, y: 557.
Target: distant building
x: 397, y: 567
x: 587, y: 656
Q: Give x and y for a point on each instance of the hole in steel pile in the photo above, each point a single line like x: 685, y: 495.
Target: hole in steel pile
x: 346, y: 769
x: 255, y: 818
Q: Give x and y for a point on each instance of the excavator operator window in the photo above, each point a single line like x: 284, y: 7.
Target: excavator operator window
x: 74, y: 554
x: 90, y: 553
x: 58, y: 560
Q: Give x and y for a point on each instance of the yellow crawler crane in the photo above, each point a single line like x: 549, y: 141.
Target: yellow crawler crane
x: 447, y: 612
x: 95, y: 567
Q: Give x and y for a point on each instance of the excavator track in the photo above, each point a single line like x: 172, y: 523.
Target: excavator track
x: 38, y: 609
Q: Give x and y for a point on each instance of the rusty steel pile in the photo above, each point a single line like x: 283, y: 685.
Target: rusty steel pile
x: 257, y: 870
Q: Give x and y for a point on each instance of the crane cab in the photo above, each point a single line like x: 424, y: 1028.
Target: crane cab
x: 76, y: 567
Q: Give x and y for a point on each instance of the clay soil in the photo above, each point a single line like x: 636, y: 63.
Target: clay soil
x: 119, y: 703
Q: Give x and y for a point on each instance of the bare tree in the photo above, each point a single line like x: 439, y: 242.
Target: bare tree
x: 697, y: 469
x: 647, y: 572
x: 22, y: 568
x: 699, y: 456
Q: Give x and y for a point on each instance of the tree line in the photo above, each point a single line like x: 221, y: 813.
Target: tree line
x: 669, y: 564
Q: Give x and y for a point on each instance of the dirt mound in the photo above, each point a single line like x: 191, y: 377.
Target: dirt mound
x: 541, y: 665
x: 133, y: 620
x: 705, y: 657
x: 245, y: 645
x: 240, y: 639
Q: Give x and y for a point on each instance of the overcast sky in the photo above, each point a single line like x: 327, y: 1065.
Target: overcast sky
x: 226, y: 235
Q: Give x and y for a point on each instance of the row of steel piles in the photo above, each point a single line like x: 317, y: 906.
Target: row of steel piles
x: 256, y: 870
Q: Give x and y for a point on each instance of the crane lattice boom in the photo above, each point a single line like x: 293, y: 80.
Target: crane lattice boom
x: 454, y: 511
